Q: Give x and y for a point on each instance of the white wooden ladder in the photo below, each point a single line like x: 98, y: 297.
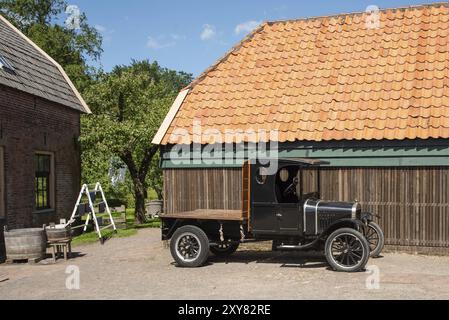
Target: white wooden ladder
x: 79, y: 210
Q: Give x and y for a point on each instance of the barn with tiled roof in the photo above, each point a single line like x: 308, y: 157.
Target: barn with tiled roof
x: 368, y: 92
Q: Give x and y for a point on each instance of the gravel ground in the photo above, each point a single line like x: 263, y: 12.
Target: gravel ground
x: 140, y: 267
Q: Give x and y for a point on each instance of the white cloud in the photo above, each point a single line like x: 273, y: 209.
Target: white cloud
x: 159, y: 43
x: 105, y: 32
x: 164, y: 41
x: 177, y: 37
x: 100, y: 28
x: 246, y: 27
x: 208, y: 32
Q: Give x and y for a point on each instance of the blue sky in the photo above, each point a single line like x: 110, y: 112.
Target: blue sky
x: 192, y: 35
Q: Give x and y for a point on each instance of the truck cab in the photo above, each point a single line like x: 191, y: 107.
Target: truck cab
x: 278, y: 199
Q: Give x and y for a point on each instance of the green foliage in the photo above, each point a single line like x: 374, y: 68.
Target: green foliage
x: 68, y: 46
x: 128, y: 105
x: 155, y: 177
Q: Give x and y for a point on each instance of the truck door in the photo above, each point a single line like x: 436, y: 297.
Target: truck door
x: 288, y: 211
x: 263, y: 203
x: 288, y: 215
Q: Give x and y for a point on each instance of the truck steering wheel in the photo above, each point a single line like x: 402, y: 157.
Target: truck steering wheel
x: 291, y: 188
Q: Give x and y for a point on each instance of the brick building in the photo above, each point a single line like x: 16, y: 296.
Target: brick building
x: 39, y: 128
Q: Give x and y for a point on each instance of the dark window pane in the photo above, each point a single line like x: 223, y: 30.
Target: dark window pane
x: 42, y: 181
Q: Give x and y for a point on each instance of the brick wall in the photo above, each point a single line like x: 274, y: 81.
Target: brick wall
x: 27, y: 125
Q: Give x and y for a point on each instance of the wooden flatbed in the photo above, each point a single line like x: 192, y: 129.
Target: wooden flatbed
x: 207, y: 214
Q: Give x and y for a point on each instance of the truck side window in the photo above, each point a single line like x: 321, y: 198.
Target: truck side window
x: 262, y: 174
x: 286, y: 188
x: 284, y: 175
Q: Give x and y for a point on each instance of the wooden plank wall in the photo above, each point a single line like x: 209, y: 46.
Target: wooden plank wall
x: 246, y: 189
x: 413, y: 202
x: 191, y: 189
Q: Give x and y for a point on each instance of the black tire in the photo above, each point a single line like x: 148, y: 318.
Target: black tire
x: 376, y: 239
x: 225, y: 249
x: 347, y: 250
x: 189, y: 247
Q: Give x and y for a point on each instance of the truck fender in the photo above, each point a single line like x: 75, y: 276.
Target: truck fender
x: 368, y: 217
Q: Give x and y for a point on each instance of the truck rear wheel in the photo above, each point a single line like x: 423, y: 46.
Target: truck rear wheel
x: 189, y: 247
x: 224, y: 249
x: 347, y: 250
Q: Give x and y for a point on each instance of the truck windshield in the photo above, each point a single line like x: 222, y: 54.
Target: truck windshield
x: 310, y: 183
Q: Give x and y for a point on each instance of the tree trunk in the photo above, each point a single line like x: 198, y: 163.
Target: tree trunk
x: 160, y: 194
x: 140, y: 206
x: 139, y: 176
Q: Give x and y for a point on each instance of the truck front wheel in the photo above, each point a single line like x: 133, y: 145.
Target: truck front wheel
x: 376, y: 239
x: 189, y: 247
x: 347, y: 250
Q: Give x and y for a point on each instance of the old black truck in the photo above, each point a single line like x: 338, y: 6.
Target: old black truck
x: 278, y: 206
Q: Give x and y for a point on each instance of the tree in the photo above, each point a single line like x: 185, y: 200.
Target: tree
x: 128, y: 105
x: 70, y: 44
x: 155, y: 180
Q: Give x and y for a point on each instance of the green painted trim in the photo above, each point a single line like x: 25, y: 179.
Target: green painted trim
x: 389, y: 162
x: 349, y: 153
x: 170, y: 165
x: 380, y: 154
x: 367, y: 153
x: 336, y: 162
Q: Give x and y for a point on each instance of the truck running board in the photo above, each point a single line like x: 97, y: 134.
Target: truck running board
x: 298, y: 247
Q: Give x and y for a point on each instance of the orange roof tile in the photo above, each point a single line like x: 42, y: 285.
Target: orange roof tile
x: 330, y: 78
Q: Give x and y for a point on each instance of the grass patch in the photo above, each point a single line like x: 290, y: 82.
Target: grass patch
x: 92, y: 237
x: 131, y: 229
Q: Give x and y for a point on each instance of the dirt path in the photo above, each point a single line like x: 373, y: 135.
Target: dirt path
x: 140, y: 267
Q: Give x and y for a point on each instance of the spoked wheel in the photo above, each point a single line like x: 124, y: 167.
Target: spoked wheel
x: 347, y: 250
x: 376, y: 239
x: 189, y: 247
x: 224, y: 249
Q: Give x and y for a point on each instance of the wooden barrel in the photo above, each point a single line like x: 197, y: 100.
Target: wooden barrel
x: 154, y: 208
x: 22, y: 244
x: 58, y: 233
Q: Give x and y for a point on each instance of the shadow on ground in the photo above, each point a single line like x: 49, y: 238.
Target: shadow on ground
x: 284, y: 259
